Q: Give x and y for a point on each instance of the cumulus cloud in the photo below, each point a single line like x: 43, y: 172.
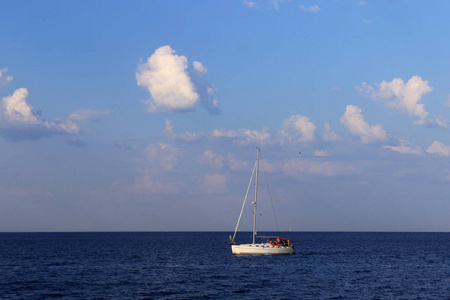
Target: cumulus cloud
x: 18, y: 120
x: 310, y: 9
x: 439, y: 148
x: 329, y: 135
x: 172, y: 85
x: 405, y: 148
x: 166, y: 78
x: 297, y: 129
x: 244, y: 137
x: 400, y: 95
x: 5, y: 79
x: 354, y: 121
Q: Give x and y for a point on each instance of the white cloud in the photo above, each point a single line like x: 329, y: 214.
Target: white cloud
x: 244, y: 137
x: 440, y: 121
x: 362, y: 3
x: 329, y: 135
x: 5, y: 79
x: 401, y: 96
x: 310, y: 9
x: 405, y: 148
x: 200, y: 67
x: 215, y: 183
x: 354, y: 121
x: 249, y: 4
x: 166, y: 78
x: 439, y: 149
x: 172, y: 87
x: 367, y: 21
x: 16, y: 108
x: 322, y: 153
x: 162, y: 156
x: 297, y: 129
x: 88, y: 115
x: 19, y: 121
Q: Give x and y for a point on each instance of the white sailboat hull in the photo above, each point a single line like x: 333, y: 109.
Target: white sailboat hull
x: 261, y: 249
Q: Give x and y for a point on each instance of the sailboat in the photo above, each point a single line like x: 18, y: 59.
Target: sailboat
x: 271, y: 245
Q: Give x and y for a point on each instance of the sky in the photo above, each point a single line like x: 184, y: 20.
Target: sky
x: 146, y: 115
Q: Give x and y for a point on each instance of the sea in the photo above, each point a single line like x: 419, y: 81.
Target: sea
x: 199, y: 265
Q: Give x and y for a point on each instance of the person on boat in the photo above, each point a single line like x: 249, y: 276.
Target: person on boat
x: 231, y: 242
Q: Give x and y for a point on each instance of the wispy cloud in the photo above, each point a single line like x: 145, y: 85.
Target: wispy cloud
x: 217, y: 162
x: 275, y: 4
x: 405, y: 148
x: 362, y: 3
x: 447, y: 103
x: 162, y: 156
x: 76, y: 143
x: 354, y: 121
x: 322, y: 153
x: 88, y: 115
x: 187, y: 136
x: 4, y: 78
x: 328, y: 135
x: 310, y: 9
x: 244, y: 136
x: 249, y: 4
x: 150, y: 185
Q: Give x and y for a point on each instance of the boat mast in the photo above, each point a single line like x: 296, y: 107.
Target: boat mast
x: 256, y: 195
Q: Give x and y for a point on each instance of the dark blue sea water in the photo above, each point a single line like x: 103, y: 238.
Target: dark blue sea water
x: 192, y: 265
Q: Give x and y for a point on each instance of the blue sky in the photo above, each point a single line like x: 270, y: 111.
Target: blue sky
x: 146, y: 115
